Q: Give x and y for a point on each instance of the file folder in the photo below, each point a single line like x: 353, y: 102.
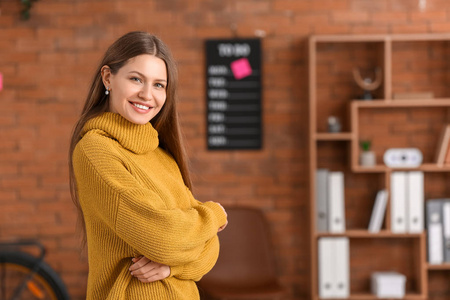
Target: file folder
x: 435, y: 231
x: 336, y: 213
x: 398, y: 202
x: 321, y: 200
x: 326, y: 284
x: 334, y: 275
x: 446, y: 230
x: 415, y: 194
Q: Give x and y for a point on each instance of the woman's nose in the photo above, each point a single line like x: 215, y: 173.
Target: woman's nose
x: 146, y: 92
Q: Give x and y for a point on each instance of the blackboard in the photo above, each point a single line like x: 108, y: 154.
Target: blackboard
x: 233, y: 93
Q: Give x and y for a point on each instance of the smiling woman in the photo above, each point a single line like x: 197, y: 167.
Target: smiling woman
x: 147, y: 236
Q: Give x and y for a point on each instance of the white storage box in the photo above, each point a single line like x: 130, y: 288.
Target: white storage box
x: 388, y: 284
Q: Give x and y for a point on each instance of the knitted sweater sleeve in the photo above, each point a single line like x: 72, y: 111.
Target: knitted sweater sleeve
x: 198, y: 268
x: 107, y: 189
x: 195, y: 270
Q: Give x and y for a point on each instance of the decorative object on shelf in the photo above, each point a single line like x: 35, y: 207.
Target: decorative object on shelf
x: 378, y: 211
x: 366, y: 157
x: 388, y: 284
x: 442, y: 150
x: 403, y: 157
x: 26, y: 8
x: 368, y: 84
x: 334, y: 125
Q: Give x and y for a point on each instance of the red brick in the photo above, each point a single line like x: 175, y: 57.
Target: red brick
x: 414, y: 28
x: 38, y: 44
x: 331, y: 29
x: 214, y: 32
x: 255, y: 6
x: 389, y: 17
x: 53, y: 8
x: 310, y: 6
x: 13, y: 33
x: 440, y: 27
x: 18, y: 182
x: 372, y: 6
x: 8, y: 196
x: 349, y: 16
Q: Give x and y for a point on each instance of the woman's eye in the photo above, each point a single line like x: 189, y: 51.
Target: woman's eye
x: 160, y: 85
x: 136, y: 79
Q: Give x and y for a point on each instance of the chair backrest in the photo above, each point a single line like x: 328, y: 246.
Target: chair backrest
x: 246, y: 256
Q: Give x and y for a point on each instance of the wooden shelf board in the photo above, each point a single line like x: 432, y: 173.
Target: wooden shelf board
x: 349, y: 38
x: 426, y: 167
x: 408, y: 296
x: 382, y: 103
x: 374, y: 169
x: 445, y: 266
x: 338, y: 136
x: 366, y: 234
x: 420, y: 37
x: 434, y: 168
x: 371, y: 296
x: 341, y: 38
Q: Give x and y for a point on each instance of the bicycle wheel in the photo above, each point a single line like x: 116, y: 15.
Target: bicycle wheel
x: 45, y: 284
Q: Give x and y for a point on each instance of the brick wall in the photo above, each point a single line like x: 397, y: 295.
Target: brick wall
x: 47, y: 63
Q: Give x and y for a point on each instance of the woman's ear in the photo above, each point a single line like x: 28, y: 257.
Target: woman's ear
x: 106, y: 75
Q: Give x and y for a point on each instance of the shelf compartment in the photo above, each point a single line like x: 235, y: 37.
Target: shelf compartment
x: 421, y: 66
x: 335, y: 63
x: 436, y: 185
x: 393, y: 125
x: 359, y: 189
x: 438, y: 286
x: 368, y: 255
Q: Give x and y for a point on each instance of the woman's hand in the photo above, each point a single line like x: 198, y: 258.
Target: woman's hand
x: 148, y: 271
x: 223, y: 226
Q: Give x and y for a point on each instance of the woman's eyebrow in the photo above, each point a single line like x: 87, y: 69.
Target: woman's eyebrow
x: 142, y: 75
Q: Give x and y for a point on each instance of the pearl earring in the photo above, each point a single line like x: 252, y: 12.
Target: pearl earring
x: 107, y: 91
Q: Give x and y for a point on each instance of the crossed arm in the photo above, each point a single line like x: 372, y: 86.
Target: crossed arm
x: 138, y: 215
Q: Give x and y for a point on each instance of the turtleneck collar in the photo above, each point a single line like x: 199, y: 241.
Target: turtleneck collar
x: 137, y: 138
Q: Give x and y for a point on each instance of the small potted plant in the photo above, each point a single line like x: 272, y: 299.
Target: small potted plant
x: 366, y: 157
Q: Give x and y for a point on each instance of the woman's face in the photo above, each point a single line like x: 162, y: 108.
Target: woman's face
x: 138, y: 89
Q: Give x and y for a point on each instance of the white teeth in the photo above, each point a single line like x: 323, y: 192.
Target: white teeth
x: 141, y: 106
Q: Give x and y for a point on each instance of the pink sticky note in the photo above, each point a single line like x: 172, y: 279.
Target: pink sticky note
x: 1, y: 81
x: 241, y: 68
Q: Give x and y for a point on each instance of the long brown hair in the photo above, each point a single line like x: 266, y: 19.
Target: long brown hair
x: 165, y: 122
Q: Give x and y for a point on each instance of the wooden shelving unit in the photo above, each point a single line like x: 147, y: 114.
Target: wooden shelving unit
x: 410, y: 63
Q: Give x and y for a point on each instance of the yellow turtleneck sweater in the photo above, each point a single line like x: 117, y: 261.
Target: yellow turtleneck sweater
x: 135, y: 203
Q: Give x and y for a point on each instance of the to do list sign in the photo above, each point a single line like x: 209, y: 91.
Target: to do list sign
x: 233, y: 93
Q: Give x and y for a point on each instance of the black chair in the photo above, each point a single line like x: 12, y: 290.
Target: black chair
x: 246, y: 265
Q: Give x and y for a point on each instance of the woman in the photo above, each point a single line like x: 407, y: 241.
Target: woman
x: 147, y: 237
